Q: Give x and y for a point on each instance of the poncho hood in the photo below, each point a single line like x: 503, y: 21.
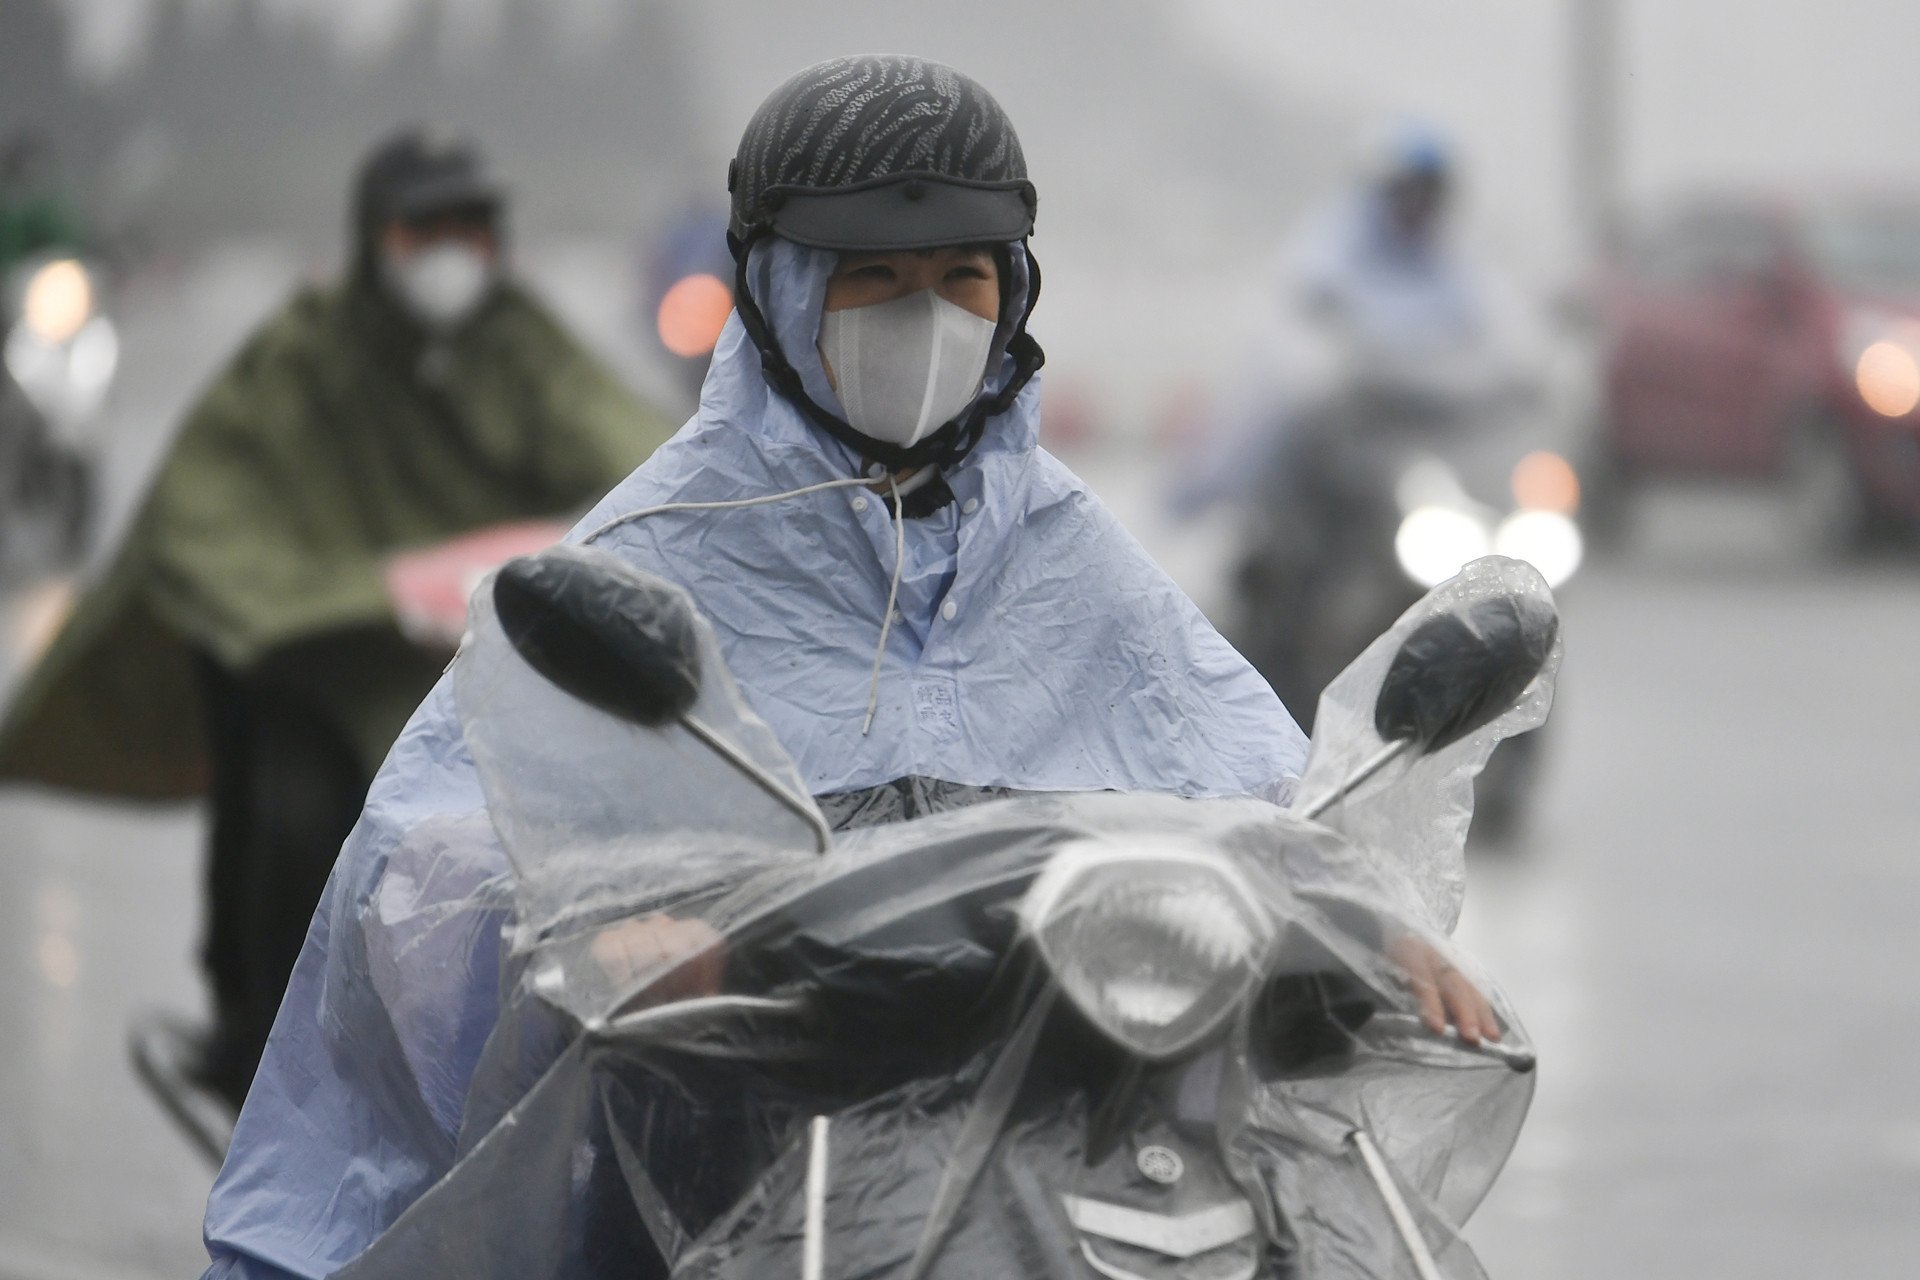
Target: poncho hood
x: 1058, y: 657
x: 1054, y: 656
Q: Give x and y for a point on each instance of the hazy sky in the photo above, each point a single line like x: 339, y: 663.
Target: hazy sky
x: 1711, y: 89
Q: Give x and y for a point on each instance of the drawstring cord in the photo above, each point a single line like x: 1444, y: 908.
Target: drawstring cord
x: 893, y: 596
x: 632, y: 516
x: 893, y: 584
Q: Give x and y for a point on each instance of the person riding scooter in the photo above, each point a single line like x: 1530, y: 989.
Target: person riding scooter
x: 61, y: 353
x: 245, y: 643
x: 920, y: 606
x: 1380, y: 334
x: 1158, y: 1037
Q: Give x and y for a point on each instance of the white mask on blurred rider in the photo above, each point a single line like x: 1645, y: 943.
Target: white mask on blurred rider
x: 905, y: 368
x: 442, y: 284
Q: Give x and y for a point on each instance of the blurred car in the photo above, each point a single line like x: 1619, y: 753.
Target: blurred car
x: 1774, y: 338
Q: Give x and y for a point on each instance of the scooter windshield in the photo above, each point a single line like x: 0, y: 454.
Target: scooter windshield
x: 1132, y: 1036
x: 590, y: 807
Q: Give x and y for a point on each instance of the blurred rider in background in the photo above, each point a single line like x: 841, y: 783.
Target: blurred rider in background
x: 254, y: 641
x: 1374, y: 290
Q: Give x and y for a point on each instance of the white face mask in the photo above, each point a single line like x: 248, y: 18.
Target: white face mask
x: 903, y: 369
x: 442, y: 284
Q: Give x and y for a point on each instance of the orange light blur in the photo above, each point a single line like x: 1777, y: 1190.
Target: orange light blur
x: 693, y: 313
x: 1545, y: 481
x: 1888, y: 378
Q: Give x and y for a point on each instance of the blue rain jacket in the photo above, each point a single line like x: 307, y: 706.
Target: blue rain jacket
x: 1037, y: 647
x: 1387, y: 289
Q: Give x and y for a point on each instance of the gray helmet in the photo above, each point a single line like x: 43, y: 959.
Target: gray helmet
x: 880, y: 152
x: 883, y: 153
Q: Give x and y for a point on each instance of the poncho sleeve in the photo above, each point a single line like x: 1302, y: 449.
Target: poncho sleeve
x: 395, y: 993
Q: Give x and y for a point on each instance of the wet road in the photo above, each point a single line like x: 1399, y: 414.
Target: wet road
x: 1714, y: 937
x: 99, y: 909
x: 1711, y: 928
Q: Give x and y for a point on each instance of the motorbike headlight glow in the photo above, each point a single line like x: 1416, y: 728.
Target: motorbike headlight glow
x: 1434, y: 543
x: 68, y: 382
x: 1156, y: 940
x: 94, y: 358
x: 57, y: 301
x: 1547, y: 540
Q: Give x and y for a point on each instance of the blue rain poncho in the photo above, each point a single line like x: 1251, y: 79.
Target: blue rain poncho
x: 1390, y: 289
x: 1036, y: 647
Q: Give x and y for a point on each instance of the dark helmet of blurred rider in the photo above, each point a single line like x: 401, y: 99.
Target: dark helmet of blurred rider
x: 1413, y: 172
x: 428, y: 223
x: 880, y: 154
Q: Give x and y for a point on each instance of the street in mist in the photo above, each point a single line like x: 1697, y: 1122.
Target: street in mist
x: 1697, y: 927
x: 1708, y: 922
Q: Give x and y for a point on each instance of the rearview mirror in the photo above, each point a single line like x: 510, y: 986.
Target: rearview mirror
x: 1461, y: 670
x: 602, y: 632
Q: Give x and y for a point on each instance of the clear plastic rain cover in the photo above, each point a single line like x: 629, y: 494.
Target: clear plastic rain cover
x: 1034, y: 1036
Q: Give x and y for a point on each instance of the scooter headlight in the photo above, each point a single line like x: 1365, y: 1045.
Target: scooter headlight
x: 1547, y: 540
x: 67, y: 381
x: 57, y: 301
x: 1434, y: 542
x: 1157, y: 941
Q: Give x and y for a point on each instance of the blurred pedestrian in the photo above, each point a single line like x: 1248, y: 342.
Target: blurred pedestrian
x: 246, y: 643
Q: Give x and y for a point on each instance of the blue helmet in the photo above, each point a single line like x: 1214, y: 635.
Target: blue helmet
x: 1410, y: 149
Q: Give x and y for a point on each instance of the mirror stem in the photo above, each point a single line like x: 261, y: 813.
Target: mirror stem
x: 1378, y: 761
x: 764, y: 780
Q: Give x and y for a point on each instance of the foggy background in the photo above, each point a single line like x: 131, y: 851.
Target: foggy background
x: 1709, y: 926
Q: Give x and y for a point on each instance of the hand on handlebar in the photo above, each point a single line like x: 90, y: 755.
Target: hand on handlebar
x: 689, y: 956
x: 1445, y: 994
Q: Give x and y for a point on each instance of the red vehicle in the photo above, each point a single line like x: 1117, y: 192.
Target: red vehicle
x: 1773, y: 338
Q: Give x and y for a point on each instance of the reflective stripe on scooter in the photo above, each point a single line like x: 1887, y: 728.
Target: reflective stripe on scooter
x: 1178, y: 1236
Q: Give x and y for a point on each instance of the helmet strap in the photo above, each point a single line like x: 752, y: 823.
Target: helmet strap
x: 943, y: 448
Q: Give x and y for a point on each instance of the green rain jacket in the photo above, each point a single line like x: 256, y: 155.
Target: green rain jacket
x: 337, y: 436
